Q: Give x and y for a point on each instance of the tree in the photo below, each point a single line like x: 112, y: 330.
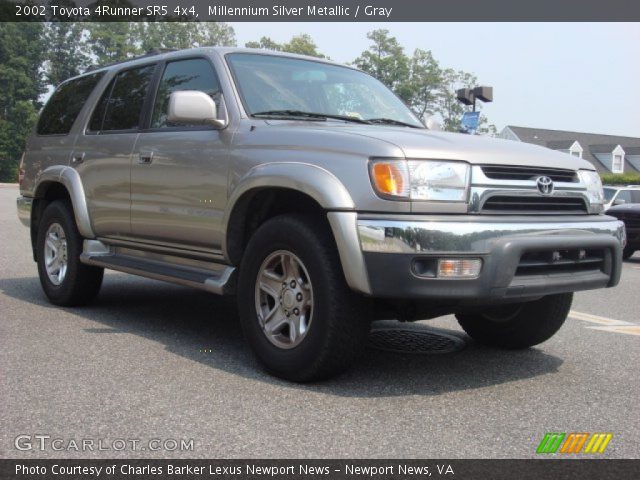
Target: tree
x: 301, y: 44
x: 179, y: 35
x: 113, y: 41
x: 447, y: 104
x: 385, y: 59
x: 265, y: 43
x: 67, y: 54
x: 424, y: 83
x: 21, y: 85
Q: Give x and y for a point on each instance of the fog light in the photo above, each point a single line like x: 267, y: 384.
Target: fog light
x: 459, y: 267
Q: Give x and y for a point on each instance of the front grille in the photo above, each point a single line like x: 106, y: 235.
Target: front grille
x: 538, y: 204
x: 500, y: 172
x: 561, y: 261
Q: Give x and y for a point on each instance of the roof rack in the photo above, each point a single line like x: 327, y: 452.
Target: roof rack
x: 149, y: 53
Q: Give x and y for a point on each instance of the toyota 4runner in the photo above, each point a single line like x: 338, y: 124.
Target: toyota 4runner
x: 309, y: 191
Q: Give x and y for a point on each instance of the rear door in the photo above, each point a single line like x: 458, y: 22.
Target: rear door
x: 179, y: 173
x: 55, y: 134
x: 102, y: 153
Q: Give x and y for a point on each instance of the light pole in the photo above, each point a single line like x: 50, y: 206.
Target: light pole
x: 468, y: 96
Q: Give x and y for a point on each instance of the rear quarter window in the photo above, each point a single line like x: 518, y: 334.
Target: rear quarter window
x: 65, y: 104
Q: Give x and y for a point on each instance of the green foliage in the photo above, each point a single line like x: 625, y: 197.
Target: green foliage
x: 419, y: 80
x: 301, y: 44
x: 21, y: 85
x: 113, y: 41
x: 67, y: 53
x: 620, y: 178
x: 184, y: 35
x: 385, y: 59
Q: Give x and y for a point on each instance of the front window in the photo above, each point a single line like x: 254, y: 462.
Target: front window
x: 282, y: 86
x: 608, y: 194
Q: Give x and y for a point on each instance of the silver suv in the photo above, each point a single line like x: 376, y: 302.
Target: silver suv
x: 312, y: 193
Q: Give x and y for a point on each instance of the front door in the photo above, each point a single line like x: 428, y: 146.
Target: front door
x: 179, y: 172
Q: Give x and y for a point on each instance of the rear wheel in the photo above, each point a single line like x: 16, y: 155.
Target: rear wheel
x: 518, y: 325
x: 64, y: 279
x: 628, y: 253
x: 297, y: 312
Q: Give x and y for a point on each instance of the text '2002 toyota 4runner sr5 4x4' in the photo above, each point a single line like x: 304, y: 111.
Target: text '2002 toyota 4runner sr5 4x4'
x: 312, y: 193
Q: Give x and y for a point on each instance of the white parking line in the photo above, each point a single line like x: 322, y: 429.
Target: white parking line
x: 587, y: 317
x: 610, y: 324
x: 628, y: 330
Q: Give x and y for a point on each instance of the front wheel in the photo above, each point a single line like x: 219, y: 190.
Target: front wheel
x: 297, y: 312
x: 518, y: 325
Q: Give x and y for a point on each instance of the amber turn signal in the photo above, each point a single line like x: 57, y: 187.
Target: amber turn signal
x: 389, y: 179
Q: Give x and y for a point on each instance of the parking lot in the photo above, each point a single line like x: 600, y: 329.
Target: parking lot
x: 150, y: 360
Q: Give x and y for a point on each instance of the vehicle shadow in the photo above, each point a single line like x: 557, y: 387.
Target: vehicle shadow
x: 204, y: 328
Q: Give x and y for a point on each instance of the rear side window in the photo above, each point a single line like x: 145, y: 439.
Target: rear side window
x: 121, y: 104
x: 65, y: 104
x: 193, y: 74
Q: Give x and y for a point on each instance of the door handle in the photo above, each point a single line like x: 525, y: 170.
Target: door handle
x: 78, y: 158
x: 145, y: 158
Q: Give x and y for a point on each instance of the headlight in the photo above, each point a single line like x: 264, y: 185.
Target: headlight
x: 432, y: 180
x: 592, y: 181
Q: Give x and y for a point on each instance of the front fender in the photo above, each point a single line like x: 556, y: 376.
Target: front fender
x: 328, y: 191
x: 70, y: 178
x: 320, y: 184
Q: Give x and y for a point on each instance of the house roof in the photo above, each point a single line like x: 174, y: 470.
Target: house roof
x: 592, y: 143
x: 604, y: 148
x: 632, y: 150
x: 560, y: 144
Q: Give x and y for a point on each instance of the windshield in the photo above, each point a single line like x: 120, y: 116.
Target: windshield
x: 288, y: 87
x: 608, y: 194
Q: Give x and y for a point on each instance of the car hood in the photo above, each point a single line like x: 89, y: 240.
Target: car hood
x: 627, y: 207
x: 428, y: 144
x: 417, y: 143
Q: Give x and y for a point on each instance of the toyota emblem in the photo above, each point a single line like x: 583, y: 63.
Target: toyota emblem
x: 545, y: 185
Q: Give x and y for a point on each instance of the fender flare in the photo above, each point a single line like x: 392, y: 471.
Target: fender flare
x: 70, y: 179
x: 318, y: 183
x: 328, y: 191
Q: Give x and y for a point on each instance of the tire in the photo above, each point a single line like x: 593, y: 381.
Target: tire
x: 332, y: 320
x: 79, y: 283
x: 518, y: 326
x: 627, y: 253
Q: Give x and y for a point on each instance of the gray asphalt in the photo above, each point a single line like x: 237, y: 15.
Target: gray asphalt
x: 150, y: 360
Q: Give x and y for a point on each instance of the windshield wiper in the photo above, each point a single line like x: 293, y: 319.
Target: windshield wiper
x: 390, y: 121
x: 309, y: 115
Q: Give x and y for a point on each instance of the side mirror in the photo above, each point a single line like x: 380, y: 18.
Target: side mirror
x: 619, y: 201
x: 192, y: 107
x: 431, y: 122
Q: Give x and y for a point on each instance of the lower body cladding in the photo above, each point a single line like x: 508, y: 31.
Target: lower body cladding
x: 482, y: 259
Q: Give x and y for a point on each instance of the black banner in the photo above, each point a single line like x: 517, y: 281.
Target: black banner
x: 319, y: 10
x: 555, y: 469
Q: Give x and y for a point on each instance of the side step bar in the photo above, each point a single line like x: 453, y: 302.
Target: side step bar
x: 214, y: 278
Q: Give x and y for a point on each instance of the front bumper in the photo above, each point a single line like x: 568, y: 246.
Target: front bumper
x: 393, y: 248
x: 24, y: 205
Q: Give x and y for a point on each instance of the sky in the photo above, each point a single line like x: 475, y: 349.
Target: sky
x: 567, y: 76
